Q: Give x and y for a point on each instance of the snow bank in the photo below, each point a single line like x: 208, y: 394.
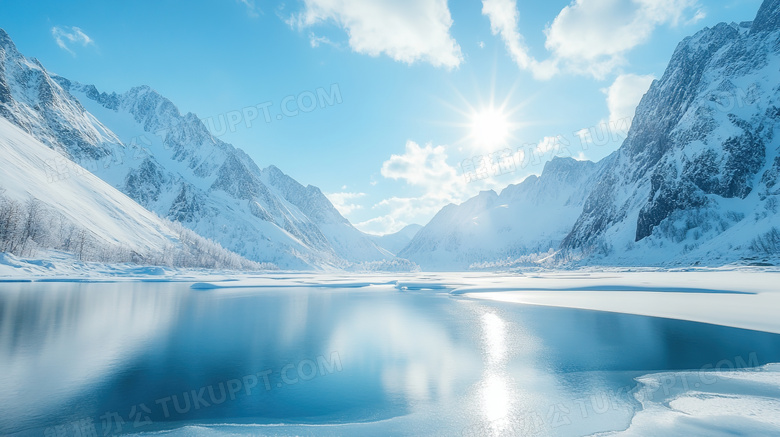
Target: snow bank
x: 745, y: 299
x: 712, y: 403
x: 56, y: 266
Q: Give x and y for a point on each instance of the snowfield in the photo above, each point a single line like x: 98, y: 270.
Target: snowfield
x: 86, y: 216
x: 720, y: 403
x: 83, y: 198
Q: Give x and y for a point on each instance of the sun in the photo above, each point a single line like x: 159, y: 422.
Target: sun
x: 490, y: 127
x: 489, y: 122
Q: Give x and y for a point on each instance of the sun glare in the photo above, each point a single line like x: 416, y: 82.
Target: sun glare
x: 489, y: 122
x: 490, y: 128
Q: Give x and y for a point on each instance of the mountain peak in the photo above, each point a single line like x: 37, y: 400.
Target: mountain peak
x: 274, y: 170
x: 141, y: 89
x: 559, y: 163
x: 6, y: 42
x: 768, y: 17
x: 683, y: 176
x: 145, y: 92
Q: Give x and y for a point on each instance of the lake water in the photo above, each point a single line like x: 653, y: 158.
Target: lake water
x: 96, y: 359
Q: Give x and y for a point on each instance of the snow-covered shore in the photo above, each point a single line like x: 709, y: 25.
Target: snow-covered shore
x: 55, y: 266
x: 740, y: 297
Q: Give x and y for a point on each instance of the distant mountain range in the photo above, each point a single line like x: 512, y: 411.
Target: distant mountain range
x: 396, y: 241
x: 527, y: 218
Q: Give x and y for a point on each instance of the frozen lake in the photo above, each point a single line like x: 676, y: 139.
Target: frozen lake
x: 145, y: 357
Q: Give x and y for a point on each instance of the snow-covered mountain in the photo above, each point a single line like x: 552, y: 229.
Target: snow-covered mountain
x: 30, y: 99
x: 696, y: 180
x: 396, y: 241
x: 527, y: 218
x: 85, y: 216
x: 83, y: 198
x: 170, y: 163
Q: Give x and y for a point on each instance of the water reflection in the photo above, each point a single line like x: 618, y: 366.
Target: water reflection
x: 494, y: 333
x: 415, y: 357
x: 420, y: 361
x: 60, y: 343
x: 496, y: 399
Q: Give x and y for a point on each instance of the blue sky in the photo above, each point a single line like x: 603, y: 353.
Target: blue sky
x: 405, y: 86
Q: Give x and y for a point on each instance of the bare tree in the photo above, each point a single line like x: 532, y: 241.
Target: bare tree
x: 26, y: 227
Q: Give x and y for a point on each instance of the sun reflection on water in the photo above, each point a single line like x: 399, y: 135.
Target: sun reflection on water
x: 496, y: 399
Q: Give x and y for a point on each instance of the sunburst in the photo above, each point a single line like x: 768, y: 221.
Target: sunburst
x: 488, y: 126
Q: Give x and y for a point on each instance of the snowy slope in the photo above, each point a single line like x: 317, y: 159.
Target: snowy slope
x: 170, y: 163
x: 346, y: 240
x: 696, y: 179
x: 84, y: 215
x: 528, y: 218
x: 217, y: 190
x: 82, y: 198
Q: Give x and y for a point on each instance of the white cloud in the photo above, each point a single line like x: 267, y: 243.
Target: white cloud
x: 385, y: 224
x: 624, y: 95
x: 407, y: 31
x: 342, y: 201
x: 66, y: 36
x: 552, y: 145
x: 504, y: 17
x: 596, y: 34
x: 589, y: 36
x: 424, y: 168
x: 700, y: 15
x: 316, y: 41
x: 403, y: 211
x: 251, y: 9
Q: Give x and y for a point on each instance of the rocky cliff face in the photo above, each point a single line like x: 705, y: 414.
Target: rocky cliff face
x: 697, y: 174
x: 32, y: 99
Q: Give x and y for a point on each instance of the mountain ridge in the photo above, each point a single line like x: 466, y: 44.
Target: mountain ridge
x: 170, y: 163
x: 698, y: 155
